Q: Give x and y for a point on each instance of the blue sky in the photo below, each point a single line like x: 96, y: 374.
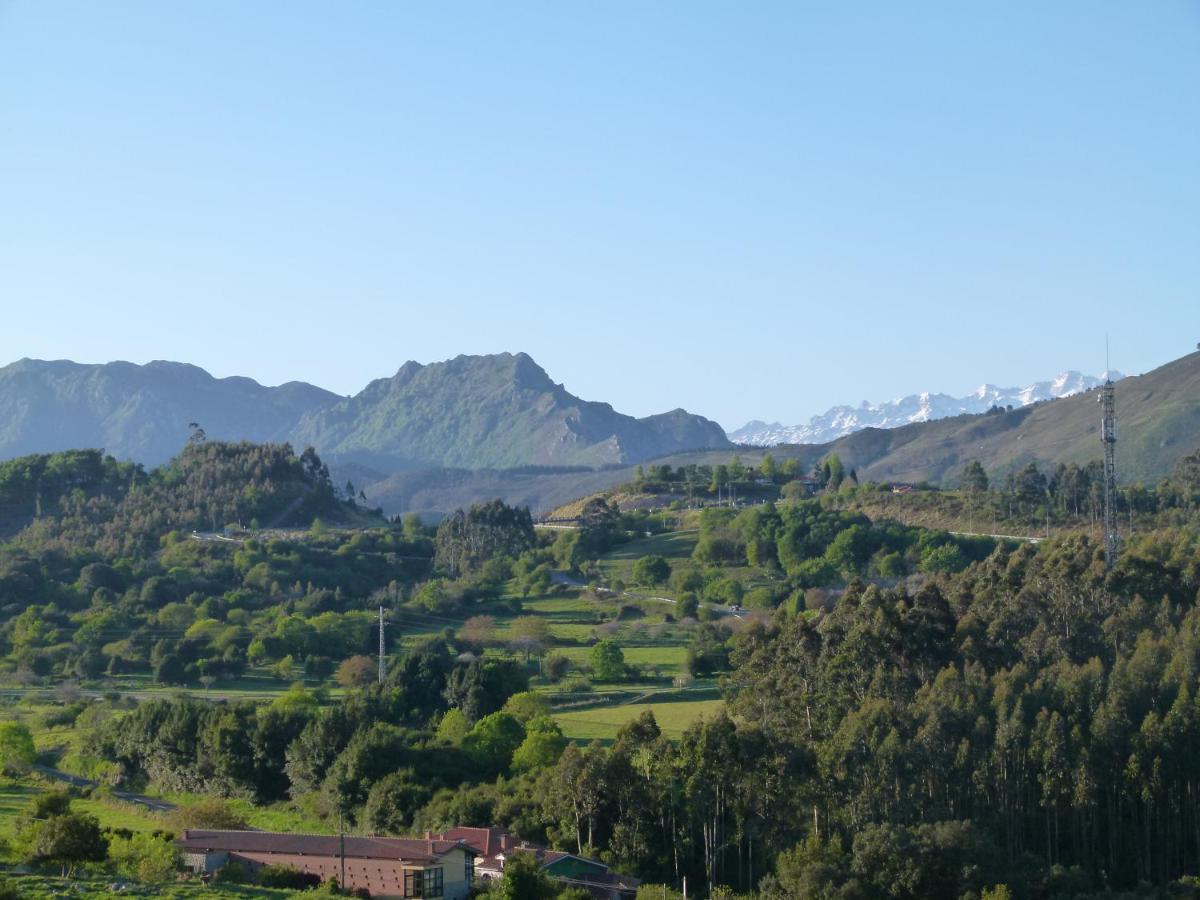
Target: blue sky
x: 750, y: 210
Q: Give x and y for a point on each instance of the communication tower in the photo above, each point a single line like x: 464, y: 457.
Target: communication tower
x: 382, y: 663
x: 1108, y: 436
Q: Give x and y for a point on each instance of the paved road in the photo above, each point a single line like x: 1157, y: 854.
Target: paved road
x: 151, y: 803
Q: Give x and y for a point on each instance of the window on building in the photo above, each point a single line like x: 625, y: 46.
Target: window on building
x: 469, y: 866
x: 423, y: 883
x: 414, y: 881
x: 433, y: 882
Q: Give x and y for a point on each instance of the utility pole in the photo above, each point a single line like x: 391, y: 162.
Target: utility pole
x: 382, y: 663
x: 1108, y: 436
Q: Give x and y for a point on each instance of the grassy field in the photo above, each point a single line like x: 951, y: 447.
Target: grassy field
x: 277, y: 817
x: 673, y: 545
x: 669, y: 660
x: 15, y: 796
x: 602, y: 723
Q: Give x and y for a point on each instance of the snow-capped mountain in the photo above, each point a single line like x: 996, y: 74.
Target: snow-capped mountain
x: 842, y: 420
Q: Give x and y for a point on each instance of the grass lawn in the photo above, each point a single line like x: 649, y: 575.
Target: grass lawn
x: 669, y: 660
x: 277, y: 817
x: 602, y: 723
x: 672, y: 544
x: 15, y: 796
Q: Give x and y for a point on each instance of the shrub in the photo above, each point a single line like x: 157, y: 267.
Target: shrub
x: 555, y: 666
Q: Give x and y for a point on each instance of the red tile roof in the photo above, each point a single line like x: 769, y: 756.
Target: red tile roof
x: 414, y: 849
x: 487, y: 841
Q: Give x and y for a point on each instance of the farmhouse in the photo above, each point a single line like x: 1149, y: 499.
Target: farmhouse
x: 495, y: 845
x: 382, y: 866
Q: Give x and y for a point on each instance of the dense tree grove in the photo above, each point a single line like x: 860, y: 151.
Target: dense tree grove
x: 816, y: 544
x: 466, y: 540
x: 80, y: 499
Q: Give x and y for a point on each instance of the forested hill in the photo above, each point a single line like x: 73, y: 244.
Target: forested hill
x: 86, y: 500
x: 139, y: 413
x: 491, y: 411
x: 473, y: 411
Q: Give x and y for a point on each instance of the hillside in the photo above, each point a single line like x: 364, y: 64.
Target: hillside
x: 926, y: 407
x: 139, y: 412
x: 1158, y: 422
x: 86, y: 500
x: 495, y: 411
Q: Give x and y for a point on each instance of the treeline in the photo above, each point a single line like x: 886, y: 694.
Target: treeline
x: 51, y: 484
x: 371, y: 760
x: 1071, y: 491
x: 82, y: 500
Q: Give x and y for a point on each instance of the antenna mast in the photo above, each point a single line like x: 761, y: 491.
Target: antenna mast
x: 382, y: 664
x: 1108, y: 436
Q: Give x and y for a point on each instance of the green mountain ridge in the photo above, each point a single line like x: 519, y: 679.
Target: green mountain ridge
x: 497, y: 411
x: 139, y: 412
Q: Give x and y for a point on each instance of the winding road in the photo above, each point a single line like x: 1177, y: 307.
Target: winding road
x: 154, y: 804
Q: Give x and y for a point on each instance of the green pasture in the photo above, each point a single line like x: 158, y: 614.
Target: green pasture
x: 275, y: 817
x: 602, y: 723
x: 15, y: 796
x: 670, y: 660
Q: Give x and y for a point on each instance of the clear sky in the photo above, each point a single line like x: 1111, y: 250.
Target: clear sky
x: 753, y: 210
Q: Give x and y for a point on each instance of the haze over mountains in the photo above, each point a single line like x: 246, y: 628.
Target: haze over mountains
x: 925, y: 407
x: 499, y: 410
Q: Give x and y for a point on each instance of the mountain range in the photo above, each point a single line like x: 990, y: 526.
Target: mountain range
x: 498, y: 410
x: 926, y: 407
x: 434, y: 437
x: 1158, y: 422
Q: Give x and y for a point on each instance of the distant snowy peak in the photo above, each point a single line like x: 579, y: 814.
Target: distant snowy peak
x: 843, y: 420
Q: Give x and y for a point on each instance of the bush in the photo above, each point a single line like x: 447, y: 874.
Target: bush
x: 555, y: 666
x: 577, y: 684
x: 144, y: 856
x: 651, y: 570
x: 287, y: 878
x: 357, y: 671
x: 17, y: 751
x: 608, y: 662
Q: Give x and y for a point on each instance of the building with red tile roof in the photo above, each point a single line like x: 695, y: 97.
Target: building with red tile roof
x: 381, y: 866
